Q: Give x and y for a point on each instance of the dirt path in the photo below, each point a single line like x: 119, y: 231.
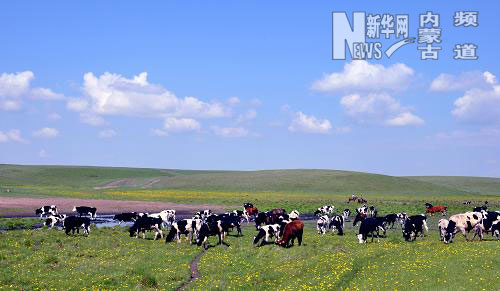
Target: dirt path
x: 194, y: 271
x: 25, y: 206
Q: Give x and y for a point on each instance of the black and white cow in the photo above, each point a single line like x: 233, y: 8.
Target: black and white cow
x: 262, y: 219
x: 480, y: 208
x: 322, y: 224
x: 144, y: 224
x: 294, y: 215
x: 211, y: 227
x: 402, y: 216
x: 266, y: 232
x: 372, y: 211
x: 167, y: 216
x: 52, y: 220
x: 442, y: 225
x: 72, y: 223
x: 85, y: 210
x: 363, y: 209
x: 337, y: 223
x: 368, y: 226
x: 187, y: 227
x: 462, y: 222
x: 126, y: 217
x: 414, y: 225
x: 46, y: 210
x: 391, y: 219
x: 346, y: 214
x: 241, y: 214
x: 228, y: 222
x: 486, y: 223
x: 325, y: 210
x: 495, y: 229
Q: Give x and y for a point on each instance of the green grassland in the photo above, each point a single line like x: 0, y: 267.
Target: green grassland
x: 110, y: 259
x: 304, y: 190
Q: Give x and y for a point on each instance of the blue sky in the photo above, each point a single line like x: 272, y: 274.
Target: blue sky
x: 242, y: 85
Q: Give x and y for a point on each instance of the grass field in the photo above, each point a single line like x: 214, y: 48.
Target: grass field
x: 110, y: 259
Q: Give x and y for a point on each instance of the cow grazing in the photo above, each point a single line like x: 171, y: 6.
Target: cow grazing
x: 337, y: 223
x: 346, y: 213
x: 294, y: 215
x: 144, y: 224
x: 391, y: 219
x: 468, y: 202
x: 322, y: 224
x: 325, y: 210
x: 356, y: 199
x: 209, y: 228
x: 266, y: 232
x: 85, y: 210
x: 369, y: 226
x: 126, y: 217
x: 46, y: 210
x: 463, y: 222
x: 442, y: 225
x: 437, y: 209
x: 292, y: 230
x: 414, y: 225
x: 372, y: 211
x: 73, y: 223
x: 54, y: 219
x: 188, y: 227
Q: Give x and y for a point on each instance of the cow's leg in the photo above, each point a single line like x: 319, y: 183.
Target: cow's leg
x: 299, y: 238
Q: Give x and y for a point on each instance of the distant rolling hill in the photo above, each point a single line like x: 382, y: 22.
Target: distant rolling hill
x: 305, y: 181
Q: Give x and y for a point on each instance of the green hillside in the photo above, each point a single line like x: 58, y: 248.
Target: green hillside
x: 483, y: 185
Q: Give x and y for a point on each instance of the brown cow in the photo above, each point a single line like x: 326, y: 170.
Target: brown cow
x: 293, y: 230
x: 436, y: 209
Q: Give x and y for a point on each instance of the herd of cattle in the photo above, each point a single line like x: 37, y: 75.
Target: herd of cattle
x: 278, y: 226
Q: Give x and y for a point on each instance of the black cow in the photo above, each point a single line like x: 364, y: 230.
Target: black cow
x: 337, y: 222
x: 209, y: 228
x: 369, y: 226
x: 414, y: 225
x: 73, y: 223
x: 480, y: 208
x: 46, y: 210
x: 391, y: 219
x: 85, y: 210
x: 146, y: 223
x: 126, y: 217
x: 262, y: 218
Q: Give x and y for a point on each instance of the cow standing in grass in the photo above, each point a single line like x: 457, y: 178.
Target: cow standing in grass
x: 293, y: 230
x: 144, y: 224
x: 463, y: 222
x: 73, y: 223
x: 266, y: 232
x: 46, y: 210
x: 368, y: 227
x: 52, y: 220
x: 414, y: 225
x: 442, y: 225
x: 85, y: 210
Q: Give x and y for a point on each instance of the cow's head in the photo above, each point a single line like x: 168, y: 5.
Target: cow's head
x: 38, y: 211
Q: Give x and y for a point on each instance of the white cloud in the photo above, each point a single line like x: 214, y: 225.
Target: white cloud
x: 114, y: 94
x: 481, y: 104
x: 10, y: 105
x: 173, y: 124
x: 309, y: 124
x: 54, y: 116
x: 15, y: 84
x: 230, y: 131
x: 12, y: 135
x: 45, y: 94
x: 405, y: 118
x: 378, y: 108
x: 359, y: 75
x: 92, y: 119
x: 158, y: 132
x: 46, y: 132
x: 42, y: 153
x: 462, y: 82
x: 247, y: 116
x: 233, y: 100
x: 77, y: 104
x: 108, y: 133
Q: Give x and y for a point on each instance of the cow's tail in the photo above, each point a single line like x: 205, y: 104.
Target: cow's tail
x: 425, y: 225
x: 171, y: 235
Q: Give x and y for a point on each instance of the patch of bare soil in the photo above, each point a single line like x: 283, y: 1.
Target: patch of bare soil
x: 25, y: 206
